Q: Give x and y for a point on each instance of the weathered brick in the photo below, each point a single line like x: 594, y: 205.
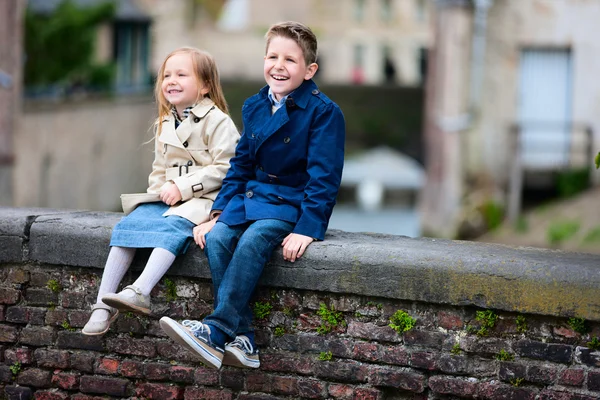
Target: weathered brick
x: 572, y: 377
x: 484, y: 346
x: 365, y: 351
x: 39, y: 278
x: 453, y: 386
x: 71, y: 299
x: 104, y: 385
x: 56, y: 317
x: 18, y: 276
x: 76, y: 340
x: 396, y: 355
x: 135, y: 347
x: 8, y: 334
x: 131, y: 324
x: 22, y: 355
x: 159, y: 391
x: 154, y: 329
x: 542, y: 374
x: 232, y: 378
x: 311, y: 389
x: 494, y: 391
x: 312, y: 344
x: 341, y: 348
x: 398, y: 378
x: 373, y: 332
x: 18, y: 392
x: 453, y: 364
x: 593, y: 381
x: 341, y: 370
x: 25, y: 315
x: 2, y: 313
x: 198, y: 309
x: 258, y: 382
x: 206, y: 376
x: 585, y: 356
x: 35, y: 377
x: 9, y: 295
x: 450, y: 320
x: 367, y: 394
x: 550, y: 352
x: 181, y: 374
x: 433, y: 340
x: 132, y: 369
x: 195, y: 393
x: 78, y: 318
x: 37, y: 336
x: 40, y: 297
x: 548, y: 394
x: 285, y: 385
x: 6, y: 375
x: 50, y: 395
x: 279, y: 363
x: 107, y: 366
x: 64, y: 380
x: 339, y: 391
x: 172, y: 351
x: 80, y: 396
x: 157, y: 371
x: 52, y: 358
x: 83, y: 361
x: 511, y: 371
x: 424, y: 360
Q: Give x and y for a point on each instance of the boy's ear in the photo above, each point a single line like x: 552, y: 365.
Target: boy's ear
x: 311, y: 71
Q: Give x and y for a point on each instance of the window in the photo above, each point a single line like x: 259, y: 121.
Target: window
x: 386, y: 10
x: 131, y: 57
x: 358, y: 76
x: 359, y: 10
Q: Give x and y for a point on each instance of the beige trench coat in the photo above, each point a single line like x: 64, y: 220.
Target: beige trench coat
x: 195, y: 156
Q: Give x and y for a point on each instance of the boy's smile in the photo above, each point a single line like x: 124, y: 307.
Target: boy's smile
x: 285, y: 68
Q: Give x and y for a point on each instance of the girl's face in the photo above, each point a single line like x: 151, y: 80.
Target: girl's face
x: 180, y: 86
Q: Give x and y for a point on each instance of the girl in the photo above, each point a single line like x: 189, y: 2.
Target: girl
x: 194, y: 140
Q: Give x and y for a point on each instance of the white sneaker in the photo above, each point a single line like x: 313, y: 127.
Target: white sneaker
x: 129, y: 299
x: 241, y: 353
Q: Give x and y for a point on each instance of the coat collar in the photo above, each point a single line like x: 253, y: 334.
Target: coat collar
x: 300, y: 96
x: 176, y: 137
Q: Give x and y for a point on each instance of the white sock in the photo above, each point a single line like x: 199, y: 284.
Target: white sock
x: 158, y: 264
x: 118, y: 262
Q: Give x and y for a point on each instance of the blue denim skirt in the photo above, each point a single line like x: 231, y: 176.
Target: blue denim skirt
x: 146, y: 227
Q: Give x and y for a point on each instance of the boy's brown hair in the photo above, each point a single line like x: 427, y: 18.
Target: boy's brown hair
x: 299, y: 33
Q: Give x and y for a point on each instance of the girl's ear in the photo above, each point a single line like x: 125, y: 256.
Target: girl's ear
x: 311, y: 71
x: 204, y: 90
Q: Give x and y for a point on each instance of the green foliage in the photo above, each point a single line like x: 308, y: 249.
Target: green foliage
x: 325, y: 356
x: 279, y: 331
x: 329, y: 318
x: 402, y: 322
x: 578, y: 325
x: 521, y: 324
x: 487, y: 319
x: 287, y: 311
x: 170, y: 290
x: 15, y: 368
x: 379, y: 306
x: 456, y: 349
x: 492, y: 213
x: 569, y: 183
x: 59, y: 47
x: 559, y: 231
x: 54, y: 285
x: 593, y: 236
x: 262, y: 310
x: 597, y: 160
x: 66, y: 326
x: 503, y: 355
x: 516, y: 382
x: 522, y: 226
x: 594, y: 344
x: 129, y: 315
x: 51, y: 306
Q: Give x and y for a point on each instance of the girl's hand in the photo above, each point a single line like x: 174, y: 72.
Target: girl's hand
x: 170, y: 194
x: 201, y: 230
x: 294, y: 245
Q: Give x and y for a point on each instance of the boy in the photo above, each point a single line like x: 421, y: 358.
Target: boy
x: 280, y: 189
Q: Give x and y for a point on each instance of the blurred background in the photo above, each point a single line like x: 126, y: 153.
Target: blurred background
x: 466, y: 119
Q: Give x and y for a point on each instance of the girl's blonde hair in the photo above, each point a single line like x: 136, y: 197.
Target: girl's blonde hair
x: 206, y: 73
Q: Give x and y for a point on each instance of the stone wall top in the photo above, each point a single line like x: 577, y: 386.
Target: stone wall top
x: 460, y: 273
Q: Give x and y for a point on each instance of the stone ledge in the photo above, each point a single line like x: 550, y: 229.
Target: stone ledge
x: 460, y: 273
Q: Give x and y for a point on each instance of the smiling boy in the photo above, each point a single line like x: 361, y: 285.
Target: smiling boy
x: 280, y: 190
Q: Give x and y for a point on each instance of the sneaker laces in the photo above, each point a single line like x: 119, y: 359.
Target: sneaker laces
x: 195, y: 326
x: 243, y: 343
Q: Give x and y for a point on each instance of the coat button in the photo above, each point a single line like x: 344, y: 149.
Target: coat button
x: 175, y: 165
x: 315, y: 91
x: 196, y: 120
x: 249, y: 193
x: 252, y: 136
x: 261, y: 168
x: 286, y: 139
x: 185, y: 144
x: 190, y: 163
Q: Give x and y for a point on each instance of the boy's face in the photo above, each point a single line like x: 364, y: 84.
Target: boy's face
x: 285, y: 68
x: 180, y: 85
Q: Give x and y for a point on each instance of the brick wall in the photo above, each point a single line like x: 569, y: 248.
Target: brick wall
x: 446, y: 355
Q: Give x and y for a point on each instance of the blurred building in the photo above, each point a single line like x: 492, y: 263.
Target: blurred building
x: 512, y: 97
x: 360, y: 41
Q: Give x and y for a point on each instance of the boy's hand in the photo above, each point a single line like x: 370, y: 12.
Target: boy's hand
x: 170, y: 194
x: 294, y: 245
x: 201, y: 230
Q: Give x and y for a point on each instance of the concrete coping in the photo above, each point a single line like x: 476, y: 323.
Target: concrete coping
x: 449, y: 272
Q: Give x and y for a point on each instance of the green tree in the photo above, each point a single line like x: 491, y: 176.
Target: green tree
x: 59, y: 47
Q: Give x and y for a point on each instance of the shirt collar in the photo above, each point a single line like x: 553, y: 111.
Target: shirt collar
x: 274, y: 102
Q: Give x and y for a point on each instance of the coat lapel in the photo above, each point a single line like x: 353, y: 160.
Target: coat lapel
x: 176, y: 137
x: 168, y: 135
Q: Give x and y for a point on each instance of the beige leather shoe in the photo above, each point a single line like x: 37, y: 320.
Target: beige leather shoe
x: 129, y: 299
x: 95, y: 328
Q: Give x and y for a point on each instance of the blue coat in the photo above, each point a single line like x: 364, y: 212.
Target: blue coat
x: 287, y: 165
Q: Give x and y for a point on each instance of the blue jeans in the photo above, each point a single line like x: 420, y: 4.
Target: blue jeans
x: 236, y: 256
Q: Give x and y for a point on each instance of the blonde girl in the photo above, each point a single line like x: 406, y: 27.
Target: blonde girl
x: 194, y: 141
